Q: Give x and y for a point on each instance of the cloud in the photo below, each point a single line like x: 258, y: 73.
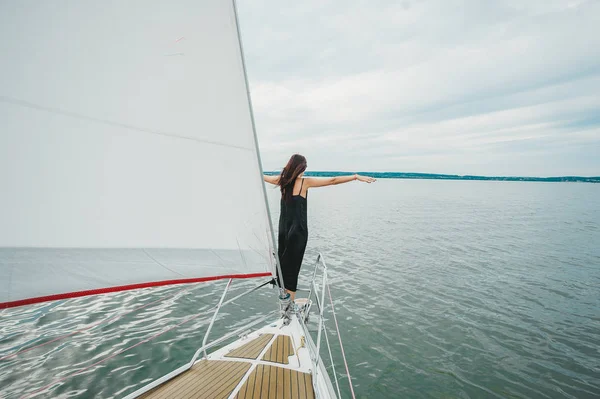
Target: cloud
x: 459, y: 87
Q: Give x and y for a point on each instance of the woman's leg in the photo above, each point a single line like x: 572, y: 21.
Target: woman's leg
x: 291, y: 261
x: 298, y: 258
x: 292, y: 294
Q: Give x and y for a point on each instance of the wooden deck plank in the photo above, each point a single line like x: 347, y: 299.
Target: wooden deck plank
x: 250, y: 345
x: 260, y: 342
x: 200, y: 377
x: 173, y: 385
x: 281, y: 349
x: 279, y: 352
x: 280, y: 382
x: 273, y: 349
x: 159, y: 392
x: 252, y: 349
x: 217, y: 379
x: 245, y: 391
x: 310, y: 393
x: 194, y: 380
x: 301, y: 386
x: 212, y: 378
x: 227, y: 383
x: 259, y: 377
x: 204, y: 380
x: 198, y: 380
x: 264, y: 393
x: 226, y: 391
x: 295, y: 389
x: 250, y: 383
x: 273, y: 382
x: 204, y: 390
x: 287, y: 383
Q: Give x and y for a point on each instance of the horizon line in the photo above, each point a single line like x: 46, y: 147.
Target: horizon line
x: 444, y: 175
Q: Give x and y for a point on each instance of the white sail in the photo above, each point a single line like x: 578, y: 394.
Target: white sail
x: 127, y: 151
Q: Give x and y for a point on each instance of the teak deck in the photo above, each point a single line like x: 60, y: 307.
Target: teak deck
x: 252, y: 349
x: 219, y: 378
x: 280, y: 350
x: 207, y: 379
x: 278, y: 383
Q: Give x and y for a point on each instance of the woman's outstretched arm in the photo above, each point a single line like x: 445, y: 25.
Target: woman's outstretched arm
x: 271, y: 179
x: 330, y: 181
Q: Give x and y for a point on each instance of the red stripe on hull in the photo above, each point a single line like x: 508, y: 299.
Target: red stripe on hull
x: 29, y: 301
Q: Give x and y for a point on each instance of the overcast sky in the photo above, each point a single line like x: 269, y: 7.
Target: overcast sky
x: 466, y: 87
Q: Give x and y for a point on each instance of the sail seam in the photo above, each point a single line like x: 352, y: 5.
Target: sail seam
x: 71, y: 114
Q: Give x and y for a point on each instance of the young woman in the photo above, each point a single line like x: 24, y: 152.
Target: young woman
x: 293, y: 228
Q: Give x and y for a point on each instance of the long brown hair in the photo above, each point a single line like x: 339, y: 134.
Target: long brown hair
x: 295, y: 166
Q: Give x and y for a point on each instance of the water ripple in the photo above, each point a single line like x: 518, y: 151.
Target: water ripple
x: 443, y: 289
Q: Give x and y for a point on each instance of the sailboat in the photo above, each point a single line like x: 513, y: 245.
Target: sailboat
x: 129, y: 145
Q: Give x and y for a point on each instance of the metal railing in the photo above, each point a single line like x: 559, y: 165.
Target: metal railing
x: 206, y: 345
x: 319, y: 297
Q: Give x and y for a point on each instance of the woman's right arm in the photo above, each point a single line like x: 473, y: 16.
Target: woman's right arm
x: 331, y: 181
x: 271, y: 179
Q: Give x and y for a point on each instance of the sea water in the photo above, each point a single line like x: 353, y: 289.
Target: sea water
x: 443, y: 289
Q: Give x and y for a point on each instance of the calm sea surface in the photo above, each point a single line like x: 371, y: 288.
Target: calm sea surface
x: 443, y: 289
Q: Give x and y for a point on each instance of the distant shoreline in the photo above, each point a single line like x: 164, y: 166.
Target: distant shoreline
x: 432, y: 176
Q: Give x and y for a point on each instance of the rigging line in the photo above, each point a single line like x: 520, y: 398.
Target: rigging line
x: 71, y: 114
x: 112, y: 318
x: 241, y: 253
x: 160, y: 264
x: 341, y: 344
x: 337, y: 384
x: 217, y: 255
x: 246, y: 225
x: 256, y: 251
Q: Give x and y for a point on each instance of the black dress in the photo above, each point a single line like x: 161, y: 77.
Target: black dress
x: 293, y: 235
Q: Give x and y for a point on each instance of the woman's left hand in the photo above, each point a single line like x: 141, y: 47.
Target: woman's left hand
x: 365, y: 179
